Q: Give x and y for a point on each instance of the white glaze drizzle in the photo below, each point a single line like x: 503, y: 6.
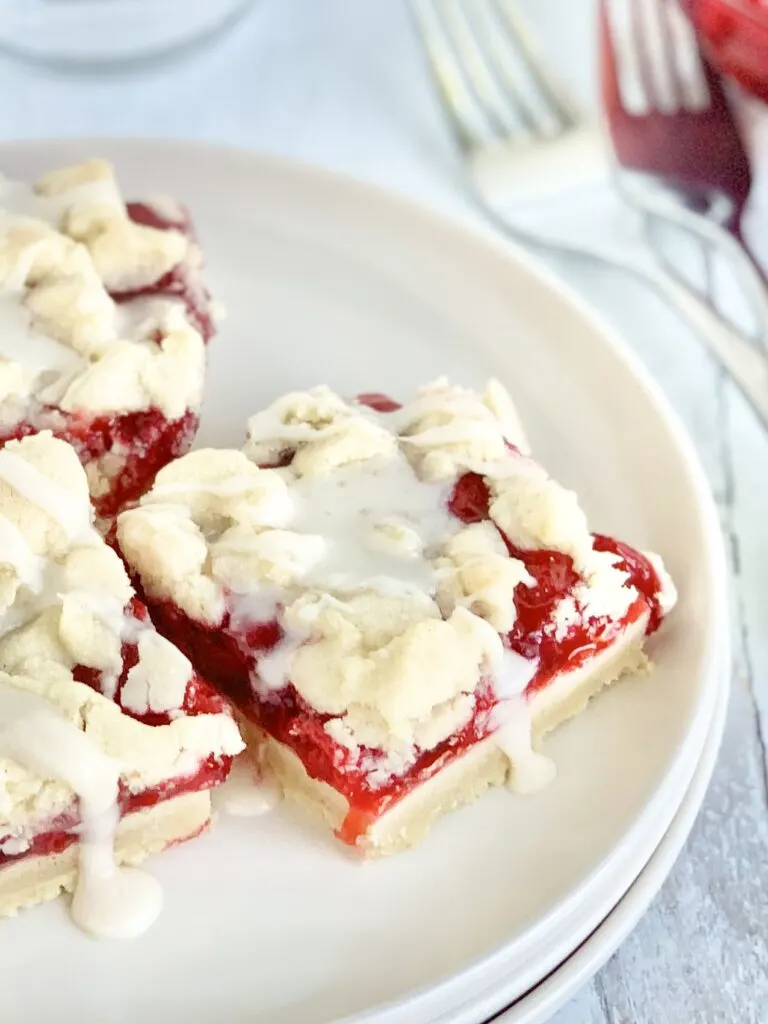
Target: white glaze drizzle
x: 140, y: 317
x: 274, y: 668
x: 245, y: 794
x: 70, y: 511
x: 256, y: 606
x: 530, y: 771
x: 109, y: 611
x: 44, y: 577
x: 15, y: 551
x: 108, y: 901
x: 346, y: 507
x: 20, y: 340
x: 513, y: 674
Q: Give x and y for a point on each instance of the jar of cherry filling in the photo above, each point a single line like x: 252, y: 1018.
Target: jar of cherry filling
x: 734, y: 35
x: 99, y: 34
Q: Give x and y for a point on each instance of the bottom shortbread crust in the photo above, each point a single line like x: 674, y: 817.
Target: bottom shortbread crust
x: 35, y: 880
x: 464, y: 779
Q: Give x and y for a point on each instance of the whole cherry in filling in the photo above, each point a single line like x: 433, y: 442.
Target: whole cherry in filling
x: 533, y: 635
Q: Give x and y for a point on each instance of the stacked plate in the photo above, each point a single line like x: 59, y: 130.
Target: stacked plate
x: 539, y: 1003
x: 329, y: 281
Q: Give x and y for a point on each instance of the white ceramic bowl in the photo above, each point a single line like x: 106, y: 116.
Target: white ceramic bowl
x: 102, y: 33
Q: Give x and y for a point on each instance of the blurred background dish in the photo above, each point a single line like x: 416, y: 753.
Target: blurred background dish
x: 104, y: 33
x: 735, y: 36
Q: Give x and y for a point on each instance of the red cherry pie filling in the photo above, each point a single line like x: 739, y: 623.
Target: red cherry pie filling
x: 401, y: 610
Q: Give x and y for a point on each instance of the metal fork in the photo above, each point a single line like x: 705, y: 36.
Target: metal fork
x: 546, y: 178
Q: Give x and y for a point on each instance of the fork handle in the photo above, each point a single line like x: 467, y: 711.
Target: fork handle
x: 730, y: 243
x: 756, y: 280
x: 745, y: 363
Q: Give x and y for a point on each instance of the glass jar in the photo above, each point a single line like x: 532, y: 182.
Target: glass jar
x: 734, y: 35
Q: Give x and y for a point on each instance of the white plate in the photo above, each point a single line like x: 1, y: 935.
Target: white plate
x: 537, y: 1006
x: 329, y: 280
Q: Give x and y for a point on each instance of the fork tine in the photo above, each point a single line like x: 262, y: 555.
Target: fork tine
x: 518, y: 31
x: 649, y: 41
x: 641, y: 49
x: 469, y: 124
x: 668, y: 57
x: 509, y: 68
x: 503, y: 111
x: 668, y: 51
x: 691, y: 76
x: 621, y: 81
x: 490, y: 78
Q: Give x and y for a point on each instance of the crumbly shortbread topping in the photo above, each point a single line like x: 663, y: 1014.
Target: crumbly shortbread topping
x: 65, y: 243
x: 447, y: 430
x: 391, y: 607
x: 325, y: 432
x: 476, y: 571
x: 63, y: 595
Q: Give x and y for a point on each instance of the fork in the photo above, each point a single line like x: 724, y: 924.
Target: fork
x: 546, y: 178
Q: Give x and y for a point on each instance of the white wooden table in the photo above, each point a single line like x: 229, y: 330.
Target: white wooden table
x: 343, y: 84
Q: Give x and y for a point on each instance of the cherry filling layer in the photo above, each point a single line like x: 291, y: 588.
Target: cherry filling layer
x: 230, y: 659
x: 533, y: 635
x: 199, y: 699
x: 141, y: 442
x: 61, y: 832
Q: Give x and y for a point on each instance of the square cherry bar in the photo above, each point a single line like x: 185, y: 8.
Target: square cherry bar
x: 110, y: 742
x: 398, y: 599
